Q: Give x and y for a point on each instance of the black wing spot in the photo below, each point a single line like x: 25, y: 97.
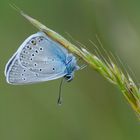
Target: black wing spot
x: 36, y: 51
x: 35, y: 64
x: 40, y: 69
x: 24, y: 79
x: 53, y: 69
x: 40, y: 49
x: 24, y: 70
x: 22, y: 74
x: 33, y: 42
x: 31, y: 59
x: 33, y: 54
x: 40, y: 39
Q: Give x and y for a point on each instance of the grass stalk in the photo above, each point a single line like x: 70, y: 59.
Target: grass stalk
x: 106, y: 67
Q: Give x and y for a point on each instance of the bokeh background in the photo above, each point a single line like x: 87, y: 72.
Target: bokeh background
x: 92, y: 109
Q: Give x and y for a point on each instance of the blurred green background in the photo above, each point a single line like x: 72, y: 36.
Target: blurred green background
x: 92, y: 109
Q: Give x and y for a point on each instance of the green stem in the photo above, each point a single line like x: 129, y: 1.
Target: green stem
x: 107, y: 69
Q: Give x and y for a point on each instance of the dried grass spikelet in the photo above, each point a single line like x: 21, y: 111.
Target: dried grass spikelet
x: 106, y: 67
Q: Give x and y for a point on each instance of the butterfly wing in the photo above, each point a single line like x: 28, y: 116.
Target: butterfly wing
x: 38, y: 59
x: 18, y: 74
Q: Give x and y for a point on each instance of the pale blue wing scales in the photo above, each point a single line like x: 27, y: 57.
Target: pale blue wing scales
x: 38, y: 59
x: 18, y: 74
x: 42, y: 55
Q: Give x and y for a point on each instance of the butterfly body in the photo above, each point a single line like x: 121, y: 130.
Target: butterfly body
x: 39, y: 59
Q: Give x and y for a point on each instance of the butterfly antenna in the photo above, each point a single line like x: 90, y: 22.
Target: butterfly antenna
x: 59, y: 101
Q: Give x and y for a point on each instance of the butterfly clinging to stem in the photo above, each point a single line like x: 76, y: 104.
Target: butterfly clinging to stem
x: 39, y: 59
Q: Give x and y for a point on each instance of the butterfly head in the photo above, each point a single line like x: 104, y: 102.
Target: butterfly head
x: 71, y: 67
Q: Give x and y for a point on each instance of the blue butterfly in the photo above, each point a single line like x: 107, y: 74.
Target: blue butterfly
x: 39, y: 59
